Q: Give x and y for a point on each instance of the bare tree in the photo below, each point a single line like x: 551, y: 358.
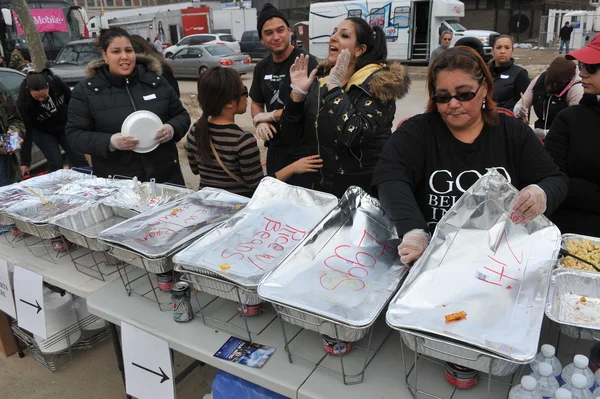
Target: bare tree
x: 36, y: 50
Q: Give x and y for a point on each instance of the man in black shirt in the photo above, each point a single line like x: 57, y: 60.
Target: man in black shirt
x: 270, y: 91
x: 565, y: 37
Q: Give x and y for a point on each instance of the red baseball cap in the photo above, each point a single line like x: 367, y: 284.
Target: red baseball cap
x: 590, y: 54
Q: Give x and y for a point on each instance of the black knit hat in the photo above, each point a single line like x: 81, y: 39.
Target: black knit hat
x: 269, y: 11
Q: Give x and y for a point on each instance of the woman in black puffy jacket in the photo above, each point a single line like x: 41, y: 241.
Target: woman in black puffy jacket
x: 510, y: 80
x: 117, y: 86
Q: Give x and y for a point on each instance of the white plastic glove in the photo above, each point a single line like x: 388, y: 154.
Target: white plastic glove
x: 264, y: 117
x: 413, y: 245
x: 530, y: 203
x: 164, y: 134
x: 123, y: 143
x: 520, y: 111
x: 299, y: 77
x: 540, y: 133
x: 265, y: 131
x: 339, y: 70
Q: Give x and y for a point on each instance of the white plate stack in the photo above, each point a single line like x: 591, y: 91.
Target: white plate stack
x: 61, y: 322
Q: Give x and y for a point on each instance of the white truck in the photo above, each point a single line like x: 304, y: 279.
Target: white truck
x: 412, y: 27
x: 234, y: 20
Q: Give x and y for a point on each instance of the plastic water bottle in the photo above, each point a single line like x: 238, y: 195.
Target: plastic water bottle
x: 578, y: 387
x: 528, y: 389
x: 547, y: 384
x: 562, y: 393
x: 547, y: 355
x: 579, y: 366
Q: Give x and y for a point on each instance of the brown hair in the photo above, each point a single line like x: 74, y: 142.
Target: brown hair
x: 509, y: 37
x: 142, y: 46
x: 467, y: 60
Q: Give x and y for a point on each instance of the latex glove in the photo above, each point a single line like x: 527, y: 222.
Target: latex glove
x: 520, y: 111
x: 123, y: 143
x: 308, y: 164
x: 299, y: 76
x: 540, y: 133
x: 265, y: 131
x: 339, y: 70
x: 413, y: 245
x: 530, y: 203
x: 24, y: 170
x: 264, y: 117
x: 164, y: 134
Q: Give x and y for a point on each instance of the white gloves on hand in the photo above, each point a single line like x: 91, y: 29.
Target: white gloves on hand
x: 164, y: 134
x: 299, y: 76
x: 123, y: 143
x: 520, y: 111
x: 413, y: 245
x: 264, y: 117
x: 530, y: 203
x: 540, y: 133
x: 265, y: 131
x: 339, y: 70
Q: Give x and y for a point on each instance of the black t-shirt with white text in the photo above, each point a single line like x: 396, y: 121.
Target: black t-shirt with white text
x: 271, y: 83
x: 438, y: 168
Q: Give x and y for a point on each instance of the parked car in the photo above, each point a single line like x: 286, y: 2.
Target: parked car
x: 10, y: 81
x: 251, y: 45
x: 192, y: 61
x: 224, y: 39
x: 71, y: 63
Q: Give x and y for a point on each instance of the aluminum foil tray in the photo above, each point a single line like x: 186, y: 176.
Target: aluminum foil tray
x: 156, y: 265
x: 158, y: 232
x: 83, y: 226
x: 31, y: 210
x: 481, y: 263
x: 244, y: 248
x: 221, y: 288
x: 41, y: 230
x: 574, y: 302
x: 458, y: 354
x: 51, y: 183
x: 582, y: 246
x: 95, y: 189
x: 10, y: 195
x: 346, y: 270
x: 134, y: 198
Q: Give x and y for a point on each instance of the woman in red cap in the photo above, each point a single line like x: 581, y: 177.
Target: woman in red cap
x: 573, y: 142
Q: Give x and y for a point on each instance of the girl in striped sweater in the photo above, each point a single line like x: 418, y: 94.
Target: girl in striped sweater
x: 223, y: 154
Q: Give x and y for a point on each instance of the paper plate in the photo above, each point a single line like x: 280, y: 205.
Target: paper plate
x: 142, y: 125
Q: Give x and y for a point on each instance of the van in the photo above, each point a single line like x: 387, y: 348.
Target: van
x: 251, y: 45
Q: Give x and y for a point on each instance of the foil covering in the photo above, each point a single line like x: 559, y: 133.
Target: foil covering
x: 244, y: 248
x: 51, y: 183
x: 10, y: 195
x: 346, y: 270
x: 95, y: 189
x: 31, y: 209
x: 138, y: 197
x: 481, y: 263
x: 158, y: 232
x: 574, y: 299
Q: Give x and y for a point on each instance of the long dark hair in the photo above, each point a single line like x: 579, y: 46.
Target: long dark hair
x: 373, y: 38
x: 467, y: 60
x: 216, y: 88
x: 108, y: 35
x: 142, y: 46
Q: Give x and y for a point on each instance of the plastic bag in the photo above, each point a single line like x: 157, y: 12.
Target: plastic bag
x: 228, y: 386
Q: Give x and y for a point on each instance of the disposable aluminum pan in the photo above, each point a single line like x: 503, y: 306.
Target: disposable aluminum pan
x: 134, y: 198
x: 51, y: 183
x: 83, y: 226
x: 574, y: 302
x: 458, y: 353
x: 10, y: 195
x: 244, y: 248
x: 569, y: 242
x: 42, y: 230
x: 344, y: 272
x: 218, y: 287
x: 152, y: 265
x: 481, y: 263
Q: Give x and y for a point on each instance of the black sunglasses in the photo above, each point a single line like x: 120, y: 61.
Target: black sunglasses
x: 591, y: 68
x: 462, y: 97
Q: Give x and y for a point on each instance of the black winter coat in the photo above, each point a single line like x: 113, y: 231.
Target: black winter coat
x: 35, y: 116
x: 510, y: 81
x: 348, y: 126
x: 101, y: 103
x: 573, y: 142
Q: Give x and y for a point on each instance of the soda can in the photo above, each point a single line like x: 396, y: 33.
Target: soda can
x: 165, y: 280
x: 182, y: 303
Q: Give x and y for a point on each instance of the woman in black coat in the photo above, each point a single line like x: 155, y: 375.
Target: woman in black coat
x: 510, y: 80
x: 117, y: 86
x: 43, y: 104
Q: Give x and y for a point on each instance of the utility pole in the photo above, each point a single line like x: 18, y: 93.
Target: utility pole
x: 36, y: 50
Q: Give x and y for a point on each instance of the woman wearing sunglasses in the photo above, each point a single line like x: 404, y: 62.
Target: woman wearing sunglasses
x: 573, y: 142
x: 433, y: 158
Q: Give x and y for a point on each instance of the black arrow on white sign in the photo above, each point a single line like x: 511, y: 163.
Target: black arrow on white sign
x: 162, y: 373
x: 37, y: 305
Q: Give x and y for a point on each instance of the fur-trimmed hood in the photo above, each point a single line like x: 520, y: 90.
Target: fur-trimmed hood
x: 152, y: 64
x: 384, y: 82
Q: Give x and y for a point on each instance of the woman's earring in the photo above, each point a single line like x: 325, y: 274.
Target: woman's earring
x: 483, y: 106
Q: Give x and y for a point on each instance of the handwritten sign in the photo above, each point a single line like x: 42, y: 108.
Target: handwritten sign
x: 350, y: 265
x: 7, y: 302
x: 504, y: 265
x: 29, y: 299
